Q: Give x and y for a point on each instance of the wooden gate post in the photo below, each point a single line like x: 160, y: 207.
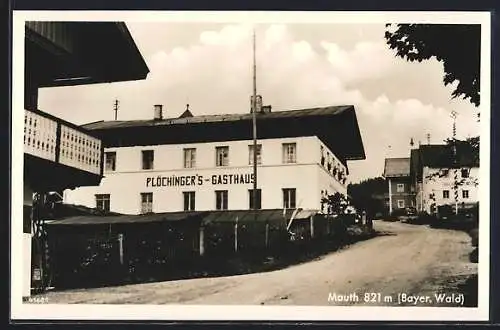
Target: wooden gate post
x: 120, y: 247
x: 236, y: 235
x: 202, y: 240
x: 311, y: 223
x: 267, y: 234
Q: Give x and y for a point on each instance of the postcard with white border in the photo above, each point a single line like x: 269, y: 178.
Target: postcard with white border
x: 318, y: 166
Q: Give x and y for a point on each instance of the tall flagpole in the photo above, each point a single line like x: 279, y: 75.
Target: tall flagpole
x: 455, y: 160
x: 254, y: 119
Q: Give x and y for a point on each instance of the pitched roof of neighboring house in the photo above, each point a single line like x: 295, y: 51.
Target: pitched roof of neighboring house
x: 442, y: 156
x: 78, y: 53
x: 396, y: 167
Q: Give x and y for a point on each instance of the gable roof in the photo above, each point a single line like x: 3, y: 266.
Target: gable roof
x: 186, y: 113
x: 397, y: 167
x: 442, y: 156
x: 77, y: 53
x: 336, y: 126
x: 230, y: 117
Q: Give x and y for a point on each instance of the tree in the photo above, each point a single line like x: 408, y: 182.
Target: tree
x: 456, y: 46
x: 368, y: 195
x: 336, y: 203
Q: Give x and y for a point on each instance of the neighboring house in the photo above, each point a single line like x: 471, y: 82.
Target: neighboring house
x: 436, y: 168
x: 59, y: 154
x: 205, y: 163
x: 400, y: 190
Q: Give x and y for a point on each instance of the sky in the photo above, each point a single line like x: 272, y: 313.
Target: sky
x: 209, y: 66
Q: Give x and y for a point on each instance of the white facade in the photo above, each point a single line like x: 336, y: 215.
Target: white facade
x: 440, y: 182
x: 306, y: 175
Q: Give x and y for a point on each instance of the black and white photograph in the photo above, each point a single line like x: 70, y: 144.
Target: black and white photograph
x: 250, y: 165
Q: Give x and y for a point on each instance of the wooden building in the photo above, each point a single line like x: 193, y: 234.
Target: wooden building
x: 58, y: 154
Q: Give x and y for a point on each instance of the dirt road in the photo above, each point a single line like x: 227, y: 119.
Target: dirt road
x: 405, y: 259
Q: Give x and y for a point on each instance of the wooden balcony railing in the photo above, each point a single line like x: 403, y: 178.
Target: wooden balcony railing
x: 56, y: 140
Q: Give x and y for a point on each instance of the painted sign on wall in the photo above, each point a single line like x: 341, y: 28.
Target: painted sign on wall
x: 198, y: 180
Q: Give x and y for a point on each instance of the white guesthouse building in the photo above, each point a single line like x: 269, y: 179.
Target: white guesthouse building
x: 434, y: 170
x: 204, y: 163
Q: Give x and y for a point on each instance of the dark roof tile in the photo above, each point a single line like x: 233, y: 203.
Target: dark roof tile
x: 326, y: 111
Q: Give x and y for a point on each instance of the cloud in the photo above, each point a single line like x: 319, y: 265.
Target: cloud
x: 367, y: 60
x: 214, y: 75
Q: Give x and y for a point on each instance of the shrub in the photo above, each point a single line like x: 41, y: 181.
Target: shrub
x: 398, y: 212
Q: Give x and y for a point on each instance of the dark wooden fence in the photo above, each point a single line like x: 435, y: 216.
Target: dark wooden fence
x: 96, y: 254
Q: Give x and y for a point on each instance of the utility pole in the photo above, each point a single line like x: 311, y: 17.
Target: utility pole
x: 455, y: 160
x: 115, y: 109
x: 254, y: 123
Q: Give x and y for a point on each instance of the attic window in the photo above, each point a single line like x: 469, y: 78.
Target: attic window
x: 465, y: 173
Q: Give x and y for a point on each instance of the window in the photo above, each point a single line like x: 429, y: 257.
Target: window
x: 221, y: 156
x: 220, y: 200
x: 259, y: 154
x: 400, y: 187
x: 148, y: 158
x: 189, y: 157
x: 27, y: 219
x: 465, y: 194
x: 446, y: 194
x: 250, y: 199
x: 289, y: 198
x: 465, y: 173
x: 110, y: 161
x: 189, y: 200
x: 401, y: 204
x: 102, y: 202
x: 444, y: 173
x: 289, y: 153
x: 146, y: 203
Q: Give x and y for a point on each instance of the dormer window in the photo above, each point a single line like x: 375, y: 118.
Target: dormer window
x: 465, y: 172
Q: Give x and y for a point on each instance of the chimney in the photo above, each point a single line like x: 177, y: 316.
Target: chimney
x: 258, y: 104
x: 158, y: 114
x: 266, y: 108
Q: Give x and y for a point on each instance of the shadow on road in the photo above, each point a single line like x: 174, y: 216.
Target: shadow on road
x: 386, y: 233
